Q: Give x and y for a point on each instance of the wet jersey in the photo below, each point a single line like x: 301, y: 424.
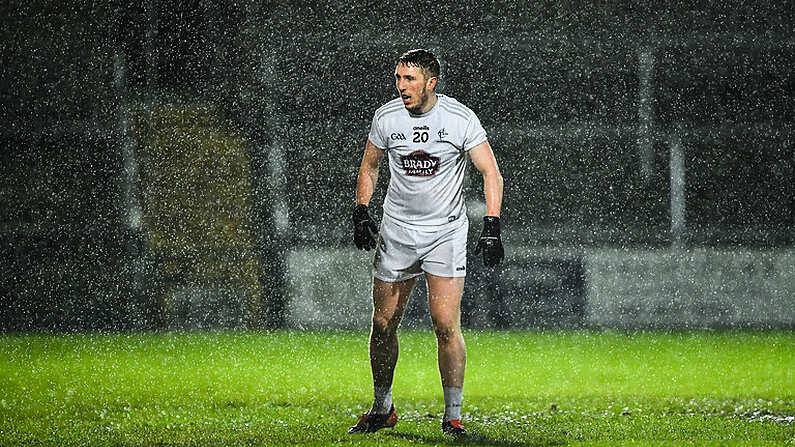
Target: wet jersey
x: 427, y: 160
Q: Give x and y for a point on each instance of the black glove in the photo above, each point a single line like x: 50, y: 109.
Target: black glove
x: 490, y: 242
x: 364, y: 228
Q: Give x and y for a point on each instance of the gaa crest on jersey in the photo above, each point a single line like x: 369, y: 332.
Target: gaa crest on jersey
x: 420, y: 164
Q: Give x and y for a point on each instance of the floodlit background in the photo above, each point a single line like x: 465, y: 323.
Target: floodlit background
x: 192, y: 164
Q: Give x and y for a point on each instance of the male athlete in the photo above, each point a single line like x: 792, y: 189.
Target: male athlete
x: 427, y: 137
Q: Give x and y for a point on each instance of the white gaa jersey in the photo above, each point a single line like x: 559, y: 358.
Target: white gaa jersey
x: 427, y: 160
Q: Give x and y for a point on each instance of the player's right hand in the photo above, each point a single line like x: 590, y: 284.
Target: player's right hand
x: 365, y: 231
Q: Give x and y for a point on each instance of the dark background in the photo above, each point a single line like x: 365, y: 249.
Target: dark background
x: 150, y: 148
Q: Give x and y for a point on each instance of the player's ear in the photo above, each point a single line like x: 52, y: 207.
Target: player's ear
x: 431, y: 83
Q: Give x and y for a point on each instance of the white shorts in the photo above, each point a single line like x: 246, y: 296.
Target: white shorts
x: 404, y: 253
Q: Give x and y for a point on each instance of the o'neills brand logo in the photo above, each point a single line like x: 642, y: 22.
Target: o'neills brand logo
x: 420, y: 163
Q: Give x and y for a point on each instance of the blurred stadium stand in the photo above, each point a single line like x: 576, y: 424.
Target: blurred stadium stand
x: 625, y: 134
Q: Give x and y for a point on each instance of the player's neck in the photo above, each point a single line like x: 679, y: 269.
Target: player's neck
x: 432, y: 100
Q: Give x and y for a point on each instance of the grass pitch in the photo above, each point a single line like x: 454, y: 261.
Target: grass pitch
x: 307, y: 388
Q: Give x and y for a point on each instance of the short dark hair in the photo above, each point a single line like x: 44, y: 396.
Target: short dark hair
x: 423, y: 59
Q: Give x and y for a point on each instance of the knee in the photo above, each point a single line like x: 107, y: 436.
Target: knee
x: 445, y: 331
x: 384, y: 325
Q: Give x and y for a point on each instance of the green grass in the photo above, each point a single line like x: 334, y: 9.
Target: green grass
x: 283, y: 388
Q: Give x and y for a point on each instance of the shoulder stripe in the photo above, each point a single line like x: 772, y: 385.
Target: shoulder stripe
x: 456, y: 112
x: 390, y: 107
x: 390, y: 103
x: 388, y: 112
x: 462, y: 112
x: 453, y: 104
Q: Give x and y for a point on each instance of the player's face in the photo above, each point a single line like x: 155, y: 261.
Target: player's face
x: 415, y: 90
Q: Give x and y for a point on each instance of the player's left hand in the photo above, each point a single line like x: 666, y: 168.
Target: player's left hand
x: 490, y: 242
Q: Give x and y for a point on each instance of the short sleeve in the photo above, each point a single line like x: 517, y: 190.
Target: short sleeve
x: 376, y: 135
x: 474, y: 134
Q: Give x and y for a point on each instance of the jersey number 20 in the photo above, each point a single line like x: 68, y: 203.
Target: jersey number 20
x: 420, y: 137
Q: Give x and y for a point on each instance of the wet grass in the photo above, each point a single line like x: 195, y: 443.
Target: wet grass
x: 287, y: 388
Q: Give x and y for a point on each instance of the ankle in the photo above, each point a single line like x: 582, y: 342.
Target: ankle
x: 453, y: 397
x: 382, y: 399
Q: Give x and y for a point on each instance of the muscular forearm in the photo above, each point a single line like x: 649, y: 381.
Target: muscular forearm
x: 492, y: 189
x: 483, y: 158
x: 368, y: 173
x: 365, y: 184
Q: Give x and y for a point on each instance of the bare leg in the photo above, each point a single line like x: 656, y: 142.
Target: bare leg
x: 444, y: 301
x: 389, y: 303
